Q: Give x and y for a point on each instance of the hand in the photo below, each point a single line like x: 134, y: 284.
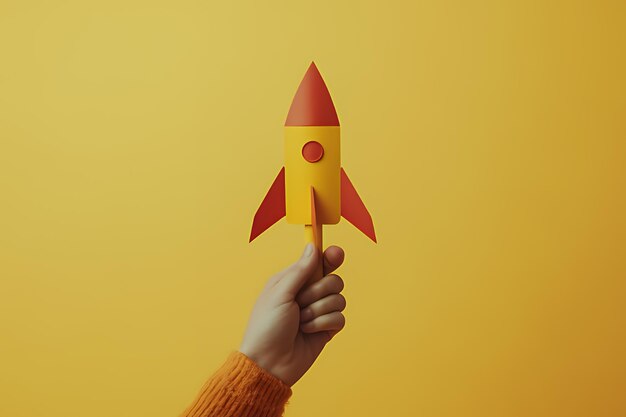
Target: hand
x: 291, y: 322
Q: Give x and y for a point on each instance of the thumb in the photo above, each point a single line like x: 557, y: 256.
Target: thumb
x: 299, y: 273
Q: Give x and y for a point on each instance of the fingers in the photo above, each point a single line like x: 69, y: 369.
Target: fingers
x: 333, y: 258
x: 321, y: 318
x: 295, y: 276
x: 328, y: 304
x: 332, y: 322
x: 330, y: 284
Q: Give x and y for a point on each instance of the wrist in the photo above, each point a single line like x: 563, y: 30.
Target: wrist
x: 263, y: 361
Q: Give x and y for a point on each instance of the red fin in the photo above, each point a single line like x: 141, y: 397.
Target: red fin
x: 353, y: 209
x: 272, y: 209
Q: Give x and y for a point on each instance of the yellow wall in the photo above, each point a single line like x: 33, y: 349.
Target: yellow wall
x: 137, y: 139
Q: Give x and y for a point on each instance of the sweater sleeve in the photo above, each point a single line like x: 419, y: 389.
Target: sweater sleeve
x: 240, y: 388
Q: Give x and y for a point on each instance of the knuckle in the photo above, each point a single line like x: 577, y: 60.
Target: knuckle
x: 307, y: 313
x: 337, y: 283
x: 308, y: 327
x: 341, y: 321
x: 342, y: 302
x: 302, y: 302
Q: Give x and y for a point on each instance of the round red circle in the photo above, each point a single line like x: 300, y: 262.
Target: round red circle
x: 312, y: 151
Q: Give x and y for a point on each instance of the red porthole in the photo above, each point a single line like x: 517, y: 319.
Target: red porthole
x: 312, y: 151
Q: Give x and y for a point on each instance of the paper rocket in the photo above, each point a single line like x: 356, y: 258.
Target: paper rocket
x: 312, y: 188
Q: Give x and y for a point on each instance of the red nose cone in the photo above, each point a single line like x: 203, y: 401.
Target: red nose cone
x: 312, y: 105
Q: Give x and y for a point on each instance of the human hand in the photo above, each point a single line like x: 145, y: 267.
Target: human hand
x: 291, y: 322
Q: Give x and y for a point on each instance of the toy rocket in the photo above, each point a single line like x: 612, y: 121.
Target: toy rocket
x: 312, y: 188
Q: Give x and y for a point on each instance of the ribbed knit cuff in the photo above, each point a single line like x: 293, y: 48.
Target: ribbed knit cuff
x: 240, y: 388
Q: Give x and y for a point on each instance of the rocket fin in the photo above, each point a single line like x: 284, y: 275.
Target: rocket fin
x: 353, y: 209
x: 272, y: 209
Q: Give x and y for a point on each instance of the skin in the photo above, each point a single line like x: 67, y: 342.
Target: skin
x: 291, y: 321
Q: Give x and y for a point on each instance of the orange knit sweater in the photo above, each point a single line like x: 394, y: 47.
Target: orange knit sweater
x: 240, y: 388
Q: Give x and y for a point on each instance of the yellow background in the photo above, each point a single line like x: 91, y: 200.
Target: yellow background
x: 137, y: 139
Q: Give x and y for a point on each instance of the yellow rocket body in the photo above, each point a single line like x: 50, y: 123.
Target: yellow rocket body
x: 323, y: 175
x: 312, y: 188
